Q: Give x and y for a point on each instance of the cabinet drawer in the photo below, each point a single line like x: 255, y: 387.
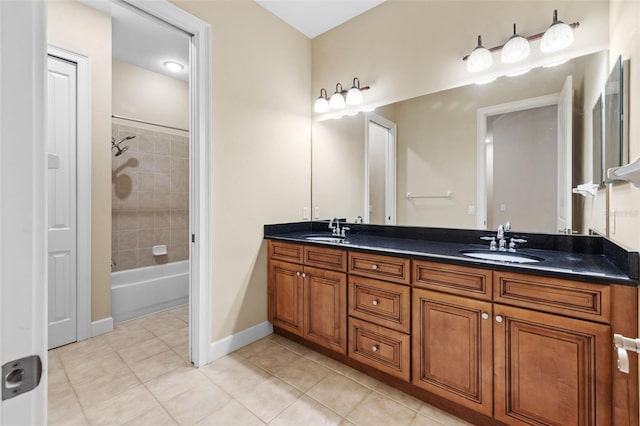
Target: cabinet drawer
x: 288, y: 252
x: 571, y: 298
x: 461, y: 280
x: 387, y: 268
x: 327, y: 258
x: 380, y: 302
x: 382, y: 348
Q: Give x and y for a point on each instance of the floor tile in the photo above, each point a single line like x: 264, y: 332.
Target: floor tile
x: 127, y: 335
x: 122, y: 408
x: 182, y: 351
x: 440, y: 416
x: 231, y: 414
x: 399, y: 396
x: 156, y: 417
x: 234, y: 375
x: 156, y: 365
x: 92, y: 368
x: 274, y: 358
x: 108, y: 385
x: 377, y: 409
x: 339, y: 393
x: 425, y: 421
x: 143, y: 350
x: 254, y: 348
x: 191, y: 406
x: 306, y: 412
x: 53, y: 360
x: 269, y: 398
x: 176, y: 337
x: 290, y: 344
x: 303, y: 374
x: 83, y: 350
x: 163, y: 325
x: 64, y: 409
x: 174, y: 383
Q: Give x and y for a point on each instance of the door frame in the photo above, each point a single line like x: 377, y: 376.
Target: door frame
x: 390, y: 180
x: 200, y: 177
x: 481, y: 165
x: 83, y: 187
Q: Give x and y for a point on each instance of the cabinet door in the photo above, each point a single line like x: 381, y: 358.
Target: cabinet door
x: 452, y: 348
x: 550, y: 370
x: 285, y: 292
x: 325, y: 304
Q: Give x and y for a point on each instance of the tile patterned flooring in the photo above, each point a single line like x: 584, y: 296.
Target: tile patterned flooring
x: 139, y: 374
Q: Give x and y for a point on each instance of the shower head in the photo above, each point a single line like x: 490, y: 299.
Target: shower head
x: 115, y: 145
x: 121, y: 150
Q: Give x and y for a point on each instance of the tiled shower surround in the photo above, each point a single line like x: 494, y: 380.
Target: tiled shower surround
x: 150, y: 197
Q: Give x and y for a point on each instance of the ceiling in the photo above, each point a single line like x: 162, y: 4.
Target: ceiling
x: 314, y: 17
x: 147, y: 42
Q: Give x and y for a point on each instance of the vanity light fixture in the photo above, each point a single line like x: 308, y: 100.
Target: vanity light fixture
x: 558, y: 36
x: 173, y: 66
x: 515, y: 49
x: 322, y: 103
x: 480, y: 59
x: 340, y: 98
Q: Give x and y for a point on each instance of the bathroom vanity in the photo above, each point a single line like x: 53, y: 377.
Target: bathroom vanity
x: 492, y: 342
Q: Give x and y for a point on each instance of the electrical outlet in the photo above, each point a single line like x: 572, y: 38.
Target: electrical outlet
x: 305, y: 213
x: 316, y: 212
x: 503, y: 207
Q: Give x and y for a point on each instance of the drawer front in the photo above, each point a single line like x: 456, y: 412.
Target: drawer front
x: 571, y: 298
x: 327, y: 258
x: 387, y: 350
x: 387, y: 268
x: 288, y: 252
x: 461, y: 280
x: 380, y: 302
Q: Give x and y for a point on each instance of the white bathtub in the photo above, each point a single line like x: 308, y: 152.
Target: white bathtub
x: 141, y: 291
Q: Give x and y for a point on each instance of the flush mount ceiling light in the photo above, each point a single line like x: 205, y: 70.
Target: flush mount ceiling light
x: 515, y: 49
x: 558, y: 36
x: 480, y: 59
x: 322, y: 103
x: 173, y: 66
x: 341, y: 97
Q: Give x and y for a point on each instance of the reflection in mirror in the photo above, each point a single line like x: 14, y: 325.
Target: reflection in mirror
x: 612, y: 147
x: 438, y: 157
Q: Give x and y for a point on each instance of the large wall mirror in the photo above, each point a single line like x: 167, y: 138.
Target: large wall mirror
x: 470, y: 157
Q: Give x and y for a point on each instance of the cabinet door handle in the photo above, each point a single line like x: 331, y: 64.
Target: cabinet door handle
x: 499, y: 318
x: 374, y: 302
x: 374, y: 267
x: 485, y: 316
x: 375, y: 348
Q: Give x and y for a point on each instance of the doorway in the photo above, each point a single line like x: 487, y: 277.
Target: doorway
x: 380, y: 170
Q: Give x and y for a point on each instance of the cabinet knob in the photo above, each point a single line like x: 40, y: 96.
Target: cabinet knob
x: 485, y: 316
x: 304, y: 275
x: 499, y: 318
x: 297, y: 274
x: 374, y: 302
x: 375, y: 348
x: 374, y: 267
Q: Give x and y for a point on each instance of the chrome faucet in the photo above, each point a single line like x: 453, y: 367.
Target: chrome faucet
x: 358, y: 219
x: 502, y: 243
x: 335, y: 229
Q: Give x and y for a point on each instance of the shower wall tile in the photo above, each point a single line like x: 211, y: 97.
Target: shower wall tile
x: 150, y: 197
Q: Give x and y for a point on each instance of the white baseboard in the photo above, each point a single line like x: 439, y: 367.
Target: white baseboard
x: 234, y: 342
x: 102, y: 326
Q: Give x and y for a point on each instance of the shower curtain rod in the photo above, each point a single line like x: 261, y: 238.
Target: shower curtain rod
x: 148, y: 122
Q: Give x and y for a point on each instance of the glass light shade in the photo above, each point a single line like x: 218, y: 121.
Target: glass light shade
x: 479, y: 60
x: 173, y: 66
x: 354, y: 96
x: 558, y: 36
x: 337, y: 101
x: 515, y: 50
x: 321, y: 105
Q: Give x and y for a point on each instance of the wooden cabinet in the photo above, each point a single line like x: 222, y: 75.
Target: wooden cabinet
x: 452, y: 348
x: 380, y: 302
x: 309, y: 301
x: 550, y: 369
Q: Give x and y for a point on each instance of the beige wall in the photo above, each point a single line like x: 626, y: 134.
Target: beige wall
x: 624, y: 203
x: 148, y: 96
x: 83, y: 30
x: 405, y: 49
x: 260, y: 149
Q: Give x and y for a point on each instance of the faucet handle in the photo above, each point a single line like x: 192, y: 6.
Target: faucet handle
x: 507, y: 226
x: 344, y: 231
x: 518, y: 240
x: 487, y: 238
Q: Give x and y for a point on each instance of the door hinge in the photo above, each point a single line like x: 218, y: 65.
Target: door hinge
x: 193, y: 238
x: 21, y: 376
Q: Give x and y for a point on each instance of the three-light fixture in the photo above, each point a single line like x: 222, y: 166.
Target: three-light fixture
x: 557, y: 37
x: 340, y: 98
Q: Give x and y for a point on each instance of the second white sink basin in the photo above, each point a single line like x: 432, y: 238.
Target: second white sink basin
x: 502, y: 256
x: 325, y: 238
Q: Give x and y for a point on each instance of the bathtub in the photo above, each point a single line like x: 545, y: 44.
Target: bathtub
x: 141, y: 291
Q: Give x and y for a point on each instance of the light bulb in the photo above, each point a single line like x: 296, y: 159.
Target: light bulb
x: 354, y: 95
x: 337, y: 100
x: 515, y: 49
x: 480, y: 59
x: 321, y: 105
x: 558, y: 36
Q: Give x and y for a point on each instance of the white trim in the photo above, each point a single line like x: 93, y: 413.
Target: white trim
x: 390, y: 169
x: 102, y: 326
x: 236, y: 341
x: 83, y: 187
x: 481, y: 169
x: 199, y: 169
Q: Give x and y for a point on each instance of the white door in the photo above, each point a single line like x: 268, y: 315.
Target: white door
x: 565, y: 114
x: 61, y: 197
x: 380, y: 179
x: 23, y: 249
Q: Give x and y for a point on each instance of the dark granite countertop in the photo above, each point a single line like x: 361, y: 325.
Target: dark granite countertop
x: 584, y: 258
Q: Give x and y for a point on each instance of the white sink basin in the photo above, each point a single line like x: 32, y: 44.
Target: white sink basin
x: 325, y: 238
x: 501, y: 256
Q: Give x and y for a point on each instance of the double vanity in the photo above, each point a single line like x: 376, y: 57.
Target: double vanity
x: 494, y: 337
